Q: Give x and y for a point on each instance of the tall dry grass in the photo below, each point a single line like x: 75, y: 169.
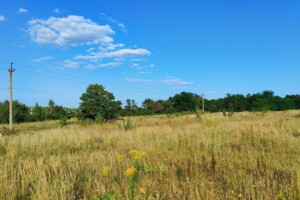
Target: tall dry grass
x: 244, y: 156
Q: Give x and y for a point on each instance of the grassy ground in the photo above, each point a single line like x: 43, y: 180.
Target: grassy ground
x: 212, y: 156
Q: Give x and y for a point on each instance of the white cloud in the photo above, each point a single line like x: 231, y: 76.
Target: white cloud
x: 119, y: 59
x: 90, y: 66
x: 140, y: 80
x: 110, y: 65
x: 110, y: 47
x: 2, y: 18
x: 56, y: 10
x: 42, y: 59
x: 137, y: 59
x: 166, y: 81
x: 115, y: 54
x: 135, y: 65
x: 144, y: 72
x: 71, y: 30
x: 152, y: 65
x: 175, y: 81
x: 122, y: 27
x: 119, y: 24
x: 22, y: 10
x: 90, y: 49
x: 72, y: 64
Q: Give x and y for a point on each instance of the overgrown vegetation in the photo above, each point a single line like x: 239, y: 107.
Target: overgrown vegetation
x: 99, y: 105
x: 163, y: 157
x: 189, y: 102
x: 23, y: 113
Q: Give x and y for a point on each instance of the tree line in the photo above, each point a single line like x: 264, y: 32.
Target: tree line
x: 99, y: 104
x: 23, y: 113
x: 190, y: 102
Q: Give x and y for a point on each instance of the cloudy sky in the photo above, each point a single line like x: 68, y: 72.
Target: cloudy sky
x: 148, y: 49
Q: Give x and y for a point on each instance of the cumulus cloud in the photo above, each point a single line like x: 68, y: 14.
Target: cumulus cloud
x: 42, y: 59
x: 2, y: 18
x: 72, y: 30
x: 22, y: 10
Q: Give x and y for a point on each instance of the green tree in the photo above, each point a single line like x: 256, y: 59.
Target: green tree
x: 130, y: 108
x: 186, y: 101
x: 97, y: 102
x: 38, y: 113
x: 295, y: 99
x: 54, y: 111
x: 50, y: 111
x: 20, y: 112
x: 236, y: 103
x: 151, y: 106
x: 167, y: 107
x: 4, y: 112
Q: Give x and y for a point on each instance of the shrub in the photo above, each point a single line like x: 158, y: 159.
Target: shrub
x: 128, y: 125
x: 63, y: 121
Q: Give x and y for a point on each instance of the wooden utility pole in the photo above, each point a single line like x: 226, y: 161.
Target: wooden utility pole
x: 11, y: 70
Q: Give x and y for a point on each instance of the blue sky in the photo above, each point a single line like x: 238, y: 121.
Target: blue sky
x: 148, y: 49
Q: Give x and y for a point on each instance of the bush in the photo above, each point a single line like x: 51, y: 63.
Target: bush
x: 128, y: 125
x: 63, y: 121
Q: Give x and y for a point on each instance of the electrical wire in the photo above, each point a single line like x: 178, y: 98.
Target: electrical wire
x: 41, y: 71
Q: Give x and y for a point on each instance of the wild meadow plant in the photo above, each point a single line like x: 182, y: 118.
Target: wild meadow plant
x: 217, y: 157
x: 132, y: 174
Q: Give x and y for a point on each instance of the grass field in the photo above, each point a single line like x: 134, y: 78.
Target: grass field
x: 211, y: 156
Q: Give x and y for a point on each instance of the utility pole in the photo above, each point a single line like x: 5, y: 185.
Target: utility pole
x: 11, y: 70
x: 203, y: 100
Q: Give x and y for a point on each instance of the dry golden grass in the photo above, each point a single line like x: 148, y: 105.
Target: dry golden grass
x: 245, y: 156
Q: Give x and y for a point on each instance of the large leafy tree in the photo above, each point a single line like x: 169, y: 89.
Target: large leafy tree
x: 186, y: 101
x: 96, y: 102
x: 20, y: 112
x: 151, y: 105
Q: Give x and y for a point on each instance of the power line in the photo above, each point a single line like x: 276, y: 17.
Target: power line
x: 59, y: 75
x: 76, y: 79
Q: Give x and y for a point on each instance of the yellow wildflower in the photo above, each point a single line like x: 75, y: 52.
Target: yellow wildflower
x: 143, y: 154
x: 119, y: 158
x: 142, y: 191
x: 138, y: 155
x: 105, y: 171
x: 133, y: 152
x: 130, y: 171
